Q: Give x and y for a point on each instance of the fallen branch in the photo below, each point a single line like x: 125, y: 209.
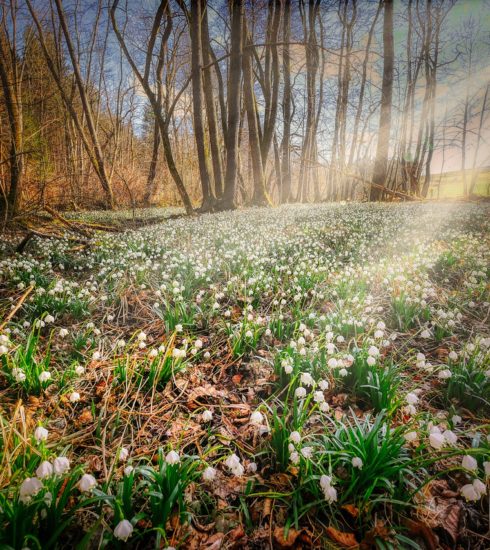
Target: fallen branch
x: 17, y: 307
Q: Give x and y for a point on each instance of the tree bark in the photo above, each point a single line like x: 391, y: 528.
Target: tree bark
x: 383, y: 145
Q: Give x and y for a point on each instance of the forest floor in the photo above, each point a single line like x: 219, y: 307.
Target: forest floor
x: 309, y: 376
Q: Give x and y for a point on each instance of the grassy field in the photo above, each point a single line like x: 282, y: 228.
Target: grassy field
x: 309, y: 376
x: 451, y: 184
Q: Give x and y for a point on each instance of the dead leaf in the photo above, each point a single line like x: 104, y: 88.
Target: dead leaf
x: 352, y: 510
x: 285, y: 541
x: 345, y: 540
x: 422, y: 530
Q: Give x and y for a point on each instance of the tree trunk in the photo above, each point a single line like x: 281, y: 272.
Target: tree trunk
x: 234, y: 81
x: 285, y: 183
x: 382, y: 149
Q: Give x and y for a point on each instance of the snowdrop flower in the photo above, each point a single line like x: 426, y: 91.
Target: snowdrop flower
x: 141, y: 337
x: 153, y: 353
x: 294, y: 457
x: 63, y: 332
x: 128, y: 469
x: 44, y: 470
x: 373, y: 351
x: 3, y: 349
x: 480, y: 487
x: 323, y: 385
x: 324, y: 407
x: 256, y: 418
x: 410, y: 436
x: 371, y: 361
x: 87, y: 483
x: 123, y: 530
x: 307, y: 379
x: 233, y: 463
x: 179, y: 328
x: 469, y: 492
x: 207, y: 415
x: 412, y: 398
x: 444, y: 374
x: 96, y: 355
x: 300, y: 392
x: 41, y: 434
x: 29, y: 488
x: 450, y: 437
x: 252, y: 467
x: 209, y: 474
x: 469, y: 463
x: 453, y: 355
x: 172, y: 457
x: 49, y: 319
x: 123, y: 454
x: 74, y: 397
x: 332, y: 363
x: 456, y: 419
x: 437, y: 440
x: 79, y: 370
x: 44, y: 376
x: 61, y: 465
x: 198, y: 344
x: 307, y: 452
x: 343, y: 373
x: 18, y: 374
x: 425, y: 334
x: 357, y: 462
x: 295, y: 437
x: 318, y: 397
x: 486, y: 467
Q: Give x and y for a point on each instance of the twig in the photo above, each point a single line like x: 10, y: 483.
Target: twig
x: 17, y: 307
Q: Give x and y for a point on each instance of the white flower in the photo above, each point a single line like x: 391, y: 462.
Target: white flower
x: 252, y: 467
x: 3, y: 349
x: 453, y: 355
x: 357, y: 462
x: 295, y: 437
x: 294, y: 457
x: 486, y: 467
x: 256, y: 418
x: 123, y: 454
x: 41, y: 434
x: 44, y: 376
x: 209, y: 474
x: 96, y: 355
x: 179, y: 328
x: 79, y: 370
x: 371, y: 361
x: 480, y: 487
x: 456, y: 419
x: 469, y: 463
x: 318, y: 397
x: 300, y: 392
x: 437, y: 440
x: 63, y: 332
x: 332, y: 363
x: 373, y: 351
x: 425, y: 334
x: 141, y: 337
x: 49, y: 319
x: 233, y: 462
x: 29, y: 488
x: 74, y: 397
x: 44, y: 470
x: 444, y: 374
x: 469, y: 492
x: 128, y: 469
x: 61, y: 465
x: 324, y: 407
x: 123, y: 530
x: 307, y: 379
x: 410, y: 436
x: 18, y: 374
x: 172, y: 457
x: 198, y: 344
x: 343, y: 373
x: 307, y: 452
x: 87, y: 483
x: 412, y: 398
x: 207, y: 415
x: 323, y: 385
x: 450, y: 437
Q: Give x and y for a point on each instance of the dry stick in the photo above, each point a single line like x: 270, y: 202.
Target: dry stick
x: 65, y: 222
x: 17, y: 307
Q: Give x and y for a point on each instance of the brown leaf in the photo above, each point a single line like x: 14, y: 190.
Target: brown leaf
x: 285, y: 541
x: 421, y: 529
x: 345, y: 540
x: 352, y: 510
x: 237, y: 378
